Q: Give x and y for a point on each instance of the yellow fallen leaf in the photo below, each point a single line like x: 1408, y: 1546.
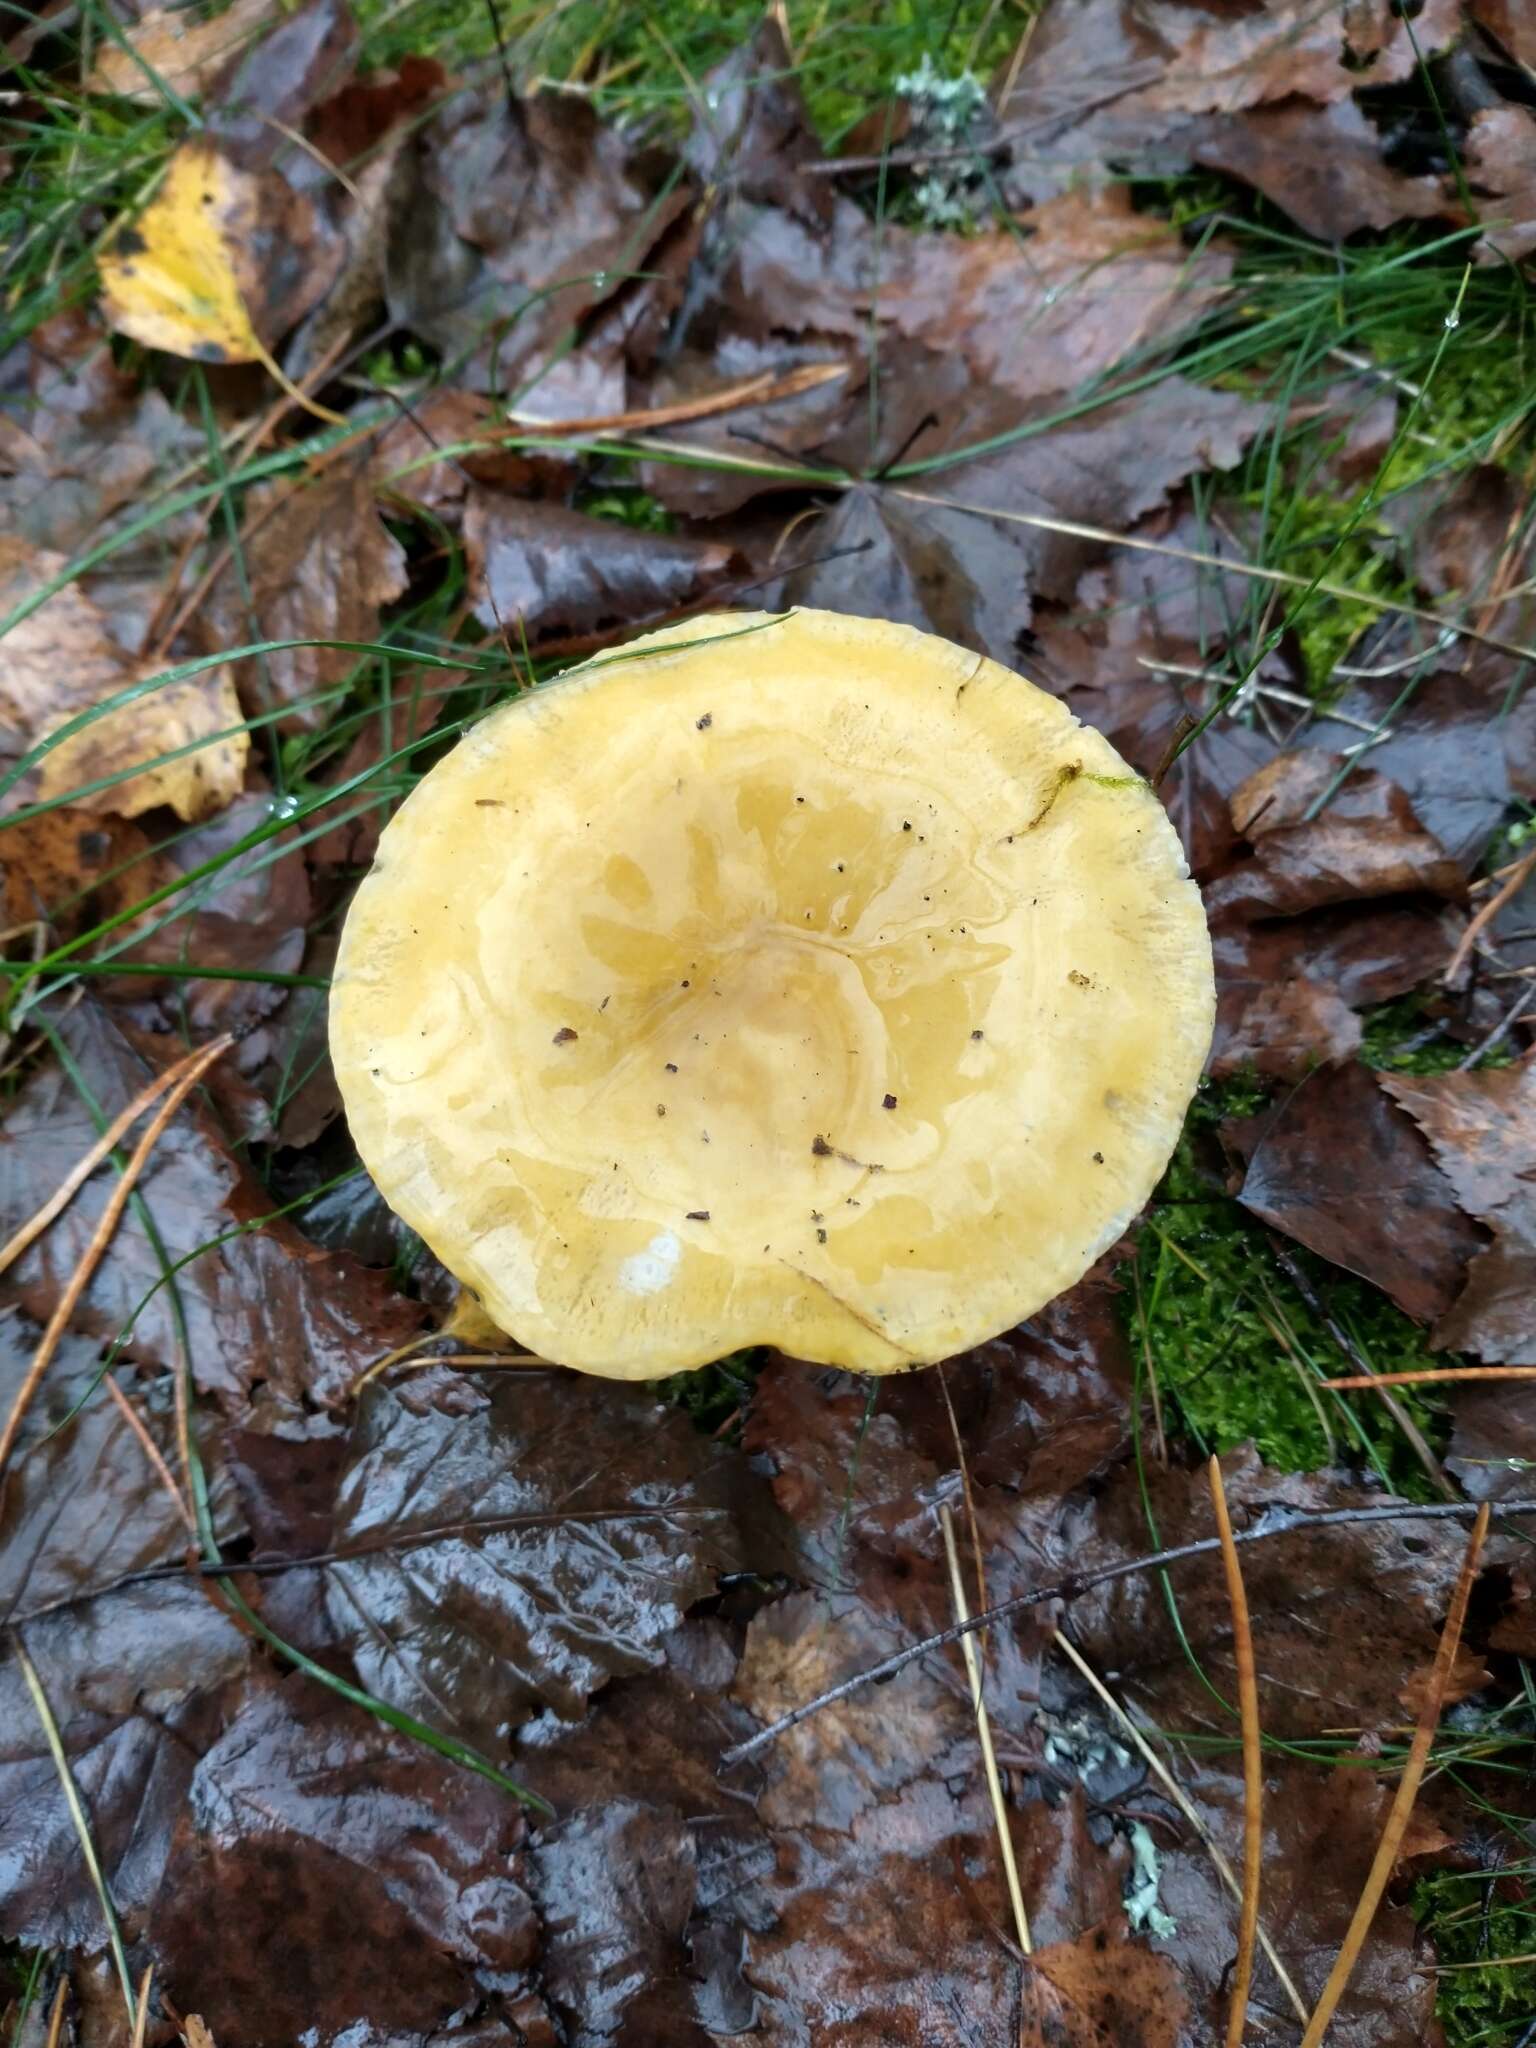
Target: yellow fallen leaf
x: 179, y: 49
x: 172, y: 279
x: 62, y: 661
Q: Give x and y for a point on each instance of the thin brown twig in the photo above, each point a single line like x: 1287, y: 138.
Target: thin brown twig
x: 151, y: 1450
x: 1513, y: 882
x: 1277, y: 1521
x: 763, y: 389
x: 1433, y: 1376
x: 1385, y: 1859
x: 1253, y: 1761
x: 967, y: 1494
x: 984, y: 1737
x: 179, y: 1080
x: 141, y: 2016
x: 56, y: 2016
x: 81, y: 1172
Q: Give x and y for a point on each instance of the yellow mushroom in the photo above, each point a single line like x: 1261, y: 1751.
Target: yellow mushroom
x: 798, y: 980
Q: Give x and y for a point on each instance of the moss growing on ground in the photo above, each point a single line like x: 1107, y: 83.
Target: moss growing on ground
x: 1235, y: 1332
x: 1475, y: 1920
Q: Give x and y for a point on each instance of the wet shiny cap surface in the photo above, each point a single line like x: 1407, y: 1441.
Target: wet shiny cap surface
x: 806, y: 981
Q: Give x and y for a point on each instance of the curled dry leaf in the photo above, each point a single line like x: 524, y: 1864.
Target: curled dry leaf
x: 1340, y: 1168
x: 220, y: 263
x: 61, y: 662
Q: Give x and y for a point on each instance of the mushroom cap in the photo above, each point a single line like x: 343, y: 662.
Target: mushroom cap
x: 789, y: 979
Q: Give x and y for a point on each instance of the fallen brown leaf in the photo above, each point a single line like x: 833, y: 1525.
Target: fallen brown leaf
x: 1340, y: 1168
x: 1322, y: 164
x: 1482, y: 1130
x: 306, y: 56
x: 1354, y: 1609
x: 1365, y: 841
x: 378, y: 1873
x: 515, y: 1548
x: 63, y: 661
x: 518, y: 219
x: 543, y: 572
x: 1509, y: 25
x: 276, y: 1329
x: 1099, y: 1989
x: 186, y: 53
x: 81, y: 441
x: 1105, y: 82
x: 1501, y: 161
x: 318, y: 564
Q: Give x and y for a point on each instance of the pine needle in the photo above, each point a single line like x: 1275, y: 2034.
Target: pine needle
x: 1253, y: 1762
x: 1181, y: 1800
x: 1388, y: 1848
x: 179, y: 1081
x: 984, y: 1734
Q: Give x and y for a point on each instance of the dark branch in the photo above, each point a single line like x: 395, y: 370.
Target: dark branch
x: 1273, y: 1522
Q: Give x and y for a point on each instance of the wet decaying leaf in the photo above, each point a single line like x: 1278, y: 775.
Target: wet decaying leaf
x: 1263, y: 92
x: 381, y: 1876
x: 516, y: 1547
x: 170, y: 46
x: 61, y: 662
x: 132, y: 1678
x: 316, y: 563
x: 80, y: 441
x: 1482, y: 1130
x: 1315, y: 1822
x: 757, y: 379
x: 517, y: 219
x: 1340, y: 1168
x: 275, y: 1328
x: 1501, y: 159
x: 1352, y: 1609
x: 544, y: 572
